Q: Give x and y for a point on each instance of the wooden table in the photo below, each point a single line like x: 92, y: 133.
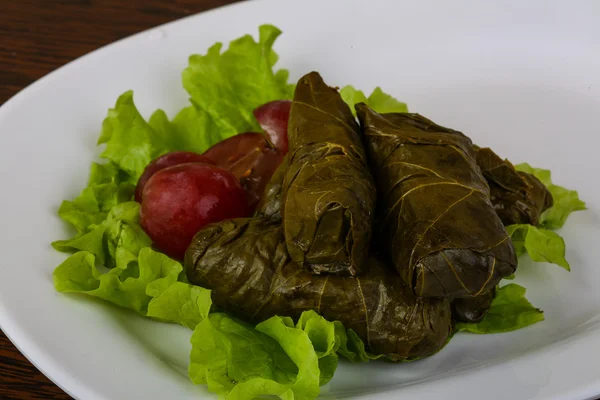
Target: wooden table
x: 36, y: 37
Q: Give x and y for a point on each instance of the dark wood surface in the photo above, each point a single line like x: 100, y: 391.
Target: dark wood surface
x: 36, y: 37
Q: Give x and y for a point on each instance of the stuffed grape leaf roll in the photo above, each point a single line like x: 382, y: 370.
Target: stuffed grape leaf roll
x: 328, y: 197
x: 270, y: 202
x: 246, y: 265
x: 518, y: 197
x: 472, y: 309
x: 441, y: 229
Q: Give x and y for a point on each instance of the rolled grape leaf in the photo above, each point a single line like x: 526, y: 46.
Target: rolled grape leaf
x: 245, y: 263
x: 472, y: 309
x: 518, y: 197
x: 328, y: 191
x: 270, y: 202
x: 440, y: 227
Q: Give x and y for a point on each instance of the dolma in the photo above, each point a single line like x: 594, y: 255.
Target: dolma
x: 246, y: 265
x: 328, y: 192
x: 441, y: 230
x: 472, y: 309
x: 518, y: 197
x: 270, y: 203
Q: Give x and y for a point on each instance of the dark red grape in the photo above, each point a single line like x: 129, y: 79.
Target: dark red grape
x: 273, y: 118
x: 164, y: 161
x: 179, y: 200
x: 250, y: 158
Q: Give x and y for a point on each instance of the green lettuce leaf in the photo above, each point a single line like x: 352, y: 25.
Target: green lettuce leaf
x: 378, y: 100
x: 131, y: 143
x: 276, y: 357
x: 351, y: 346
x: 108, y: 173
x: 353, y: 96
x: 509, y: 311
x: 542, y: 245
x: 181, y: 303
x: 92, y: 242
x: 565, y: 201
x: 107, y: 187
x: 227, y: 352
x: 229, y: 85
x: 123, y: 287
x: 116, y: 241
x: 195, y: 130
x: 385, y: 103
x: 124, y: 236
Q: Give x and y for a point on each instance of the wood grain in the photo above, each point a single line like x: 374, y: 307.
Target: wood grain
x: 36, y: 37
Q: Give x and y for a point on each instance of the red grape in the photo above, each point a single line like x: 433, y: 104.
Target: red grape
x: 249, y: 157
x: 164, y: 161
x: 273, y: 118
x: 179, y: 200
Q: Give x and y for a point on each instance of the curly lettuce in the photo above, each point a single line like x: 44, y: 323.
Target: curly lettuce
x: 124, y: 287
x: 276, y: 357
x: 378, y: 100
x: 229, y: 85
x: 542, y: 245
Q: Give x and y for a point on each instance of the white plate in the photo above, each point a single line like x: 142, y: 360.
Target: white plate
x: 521, y: 77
